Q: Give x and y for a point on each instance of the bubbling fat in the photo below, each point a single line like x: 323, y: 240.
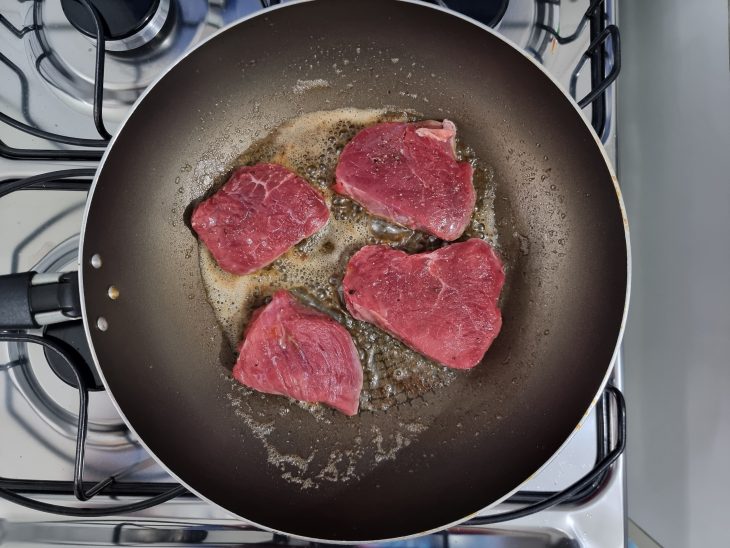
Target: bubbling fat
x: 313, y: 269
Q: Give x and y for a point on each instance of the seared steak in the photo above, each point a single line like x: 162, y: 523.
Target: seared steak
x: 442, y: 304
x: 257, y: 215
x: 294, y: 350
x: 408, y: 173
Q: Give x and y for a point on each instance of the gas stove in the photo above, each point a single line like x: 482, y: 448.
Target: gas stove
x: 65, y: 92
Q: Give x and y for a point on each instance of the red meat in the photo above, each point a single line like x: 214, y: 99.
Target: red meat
x: 442, y: 304
x: 408, y: 173
x: 293, y: 350
x: 257, y: 215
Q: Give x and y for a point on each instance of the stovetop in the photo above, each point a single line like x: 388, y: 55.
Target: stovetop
x: 50, y: 85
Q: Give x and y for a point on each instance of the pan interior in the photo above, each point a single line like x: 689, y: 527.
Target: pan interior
x: 164, y: 355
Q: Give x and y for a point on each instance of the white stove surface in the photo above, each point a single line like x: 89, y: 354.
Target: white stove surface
x: 33, y: 223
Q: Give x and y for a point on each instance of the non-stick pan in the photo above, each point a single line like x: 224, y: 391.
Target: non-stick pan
x: 166, y: 362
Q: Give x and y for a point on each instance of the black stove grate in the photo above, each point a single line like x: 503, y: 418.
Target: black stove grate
x: 12, y: 153
x: 603, y: 52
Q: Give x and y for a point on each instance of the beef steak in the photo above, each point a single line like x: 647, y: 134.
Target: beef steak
x: 442, y: 304
x: 293, y: 350
x: 257, y: 215
x: 408, y: 173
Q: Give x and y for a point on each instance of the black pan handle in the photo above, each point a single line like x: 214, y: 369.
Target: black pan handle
x: 29, y: 300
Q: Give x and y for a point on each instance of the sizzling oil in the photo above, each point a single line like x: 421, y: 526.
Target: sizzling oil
x: 313, y: 269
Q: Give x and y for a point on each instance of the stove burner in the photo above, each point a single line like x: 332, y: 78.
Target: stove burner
x: 489, y: 12
x: 49, y: 387
x: 126, y: 25
x: 65, y: 56
x: 73, y: 334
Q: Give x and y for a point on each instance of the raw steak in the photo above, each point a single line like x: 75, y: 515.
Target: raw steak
x: 442, y: 304
x: 257, y: 215
x: 294, y: 350
x: 408, y: 173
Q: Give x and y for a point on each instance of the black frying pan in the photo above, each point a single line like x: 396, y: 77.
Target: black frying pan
x: 562, y: 229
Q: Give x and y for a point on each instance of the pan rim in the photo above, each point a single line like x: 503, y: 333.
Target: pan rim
x: 610, y: 367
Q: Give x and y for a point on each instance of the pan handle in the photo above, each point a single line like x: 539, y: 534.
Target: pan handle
x: 30, y: 300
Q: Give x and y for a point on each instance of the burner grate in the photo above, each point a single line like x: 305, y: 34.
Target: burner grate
x: 83, y: 491
x: 12, y: 153
x: 604, y: 51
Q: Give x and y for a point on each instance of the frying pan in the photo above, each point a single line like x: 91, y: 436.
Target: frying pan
x: 562, y: 228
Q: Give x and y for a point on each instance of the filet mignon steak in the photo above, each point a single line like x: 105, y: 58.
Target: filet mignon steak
x: 442, y: 304
x: 408, y: 173
x: 293, y: 350
x: 257, y: 215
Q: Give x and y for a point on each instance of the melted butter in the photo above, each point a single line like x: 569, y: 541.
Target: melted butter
x: 310, y: 146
